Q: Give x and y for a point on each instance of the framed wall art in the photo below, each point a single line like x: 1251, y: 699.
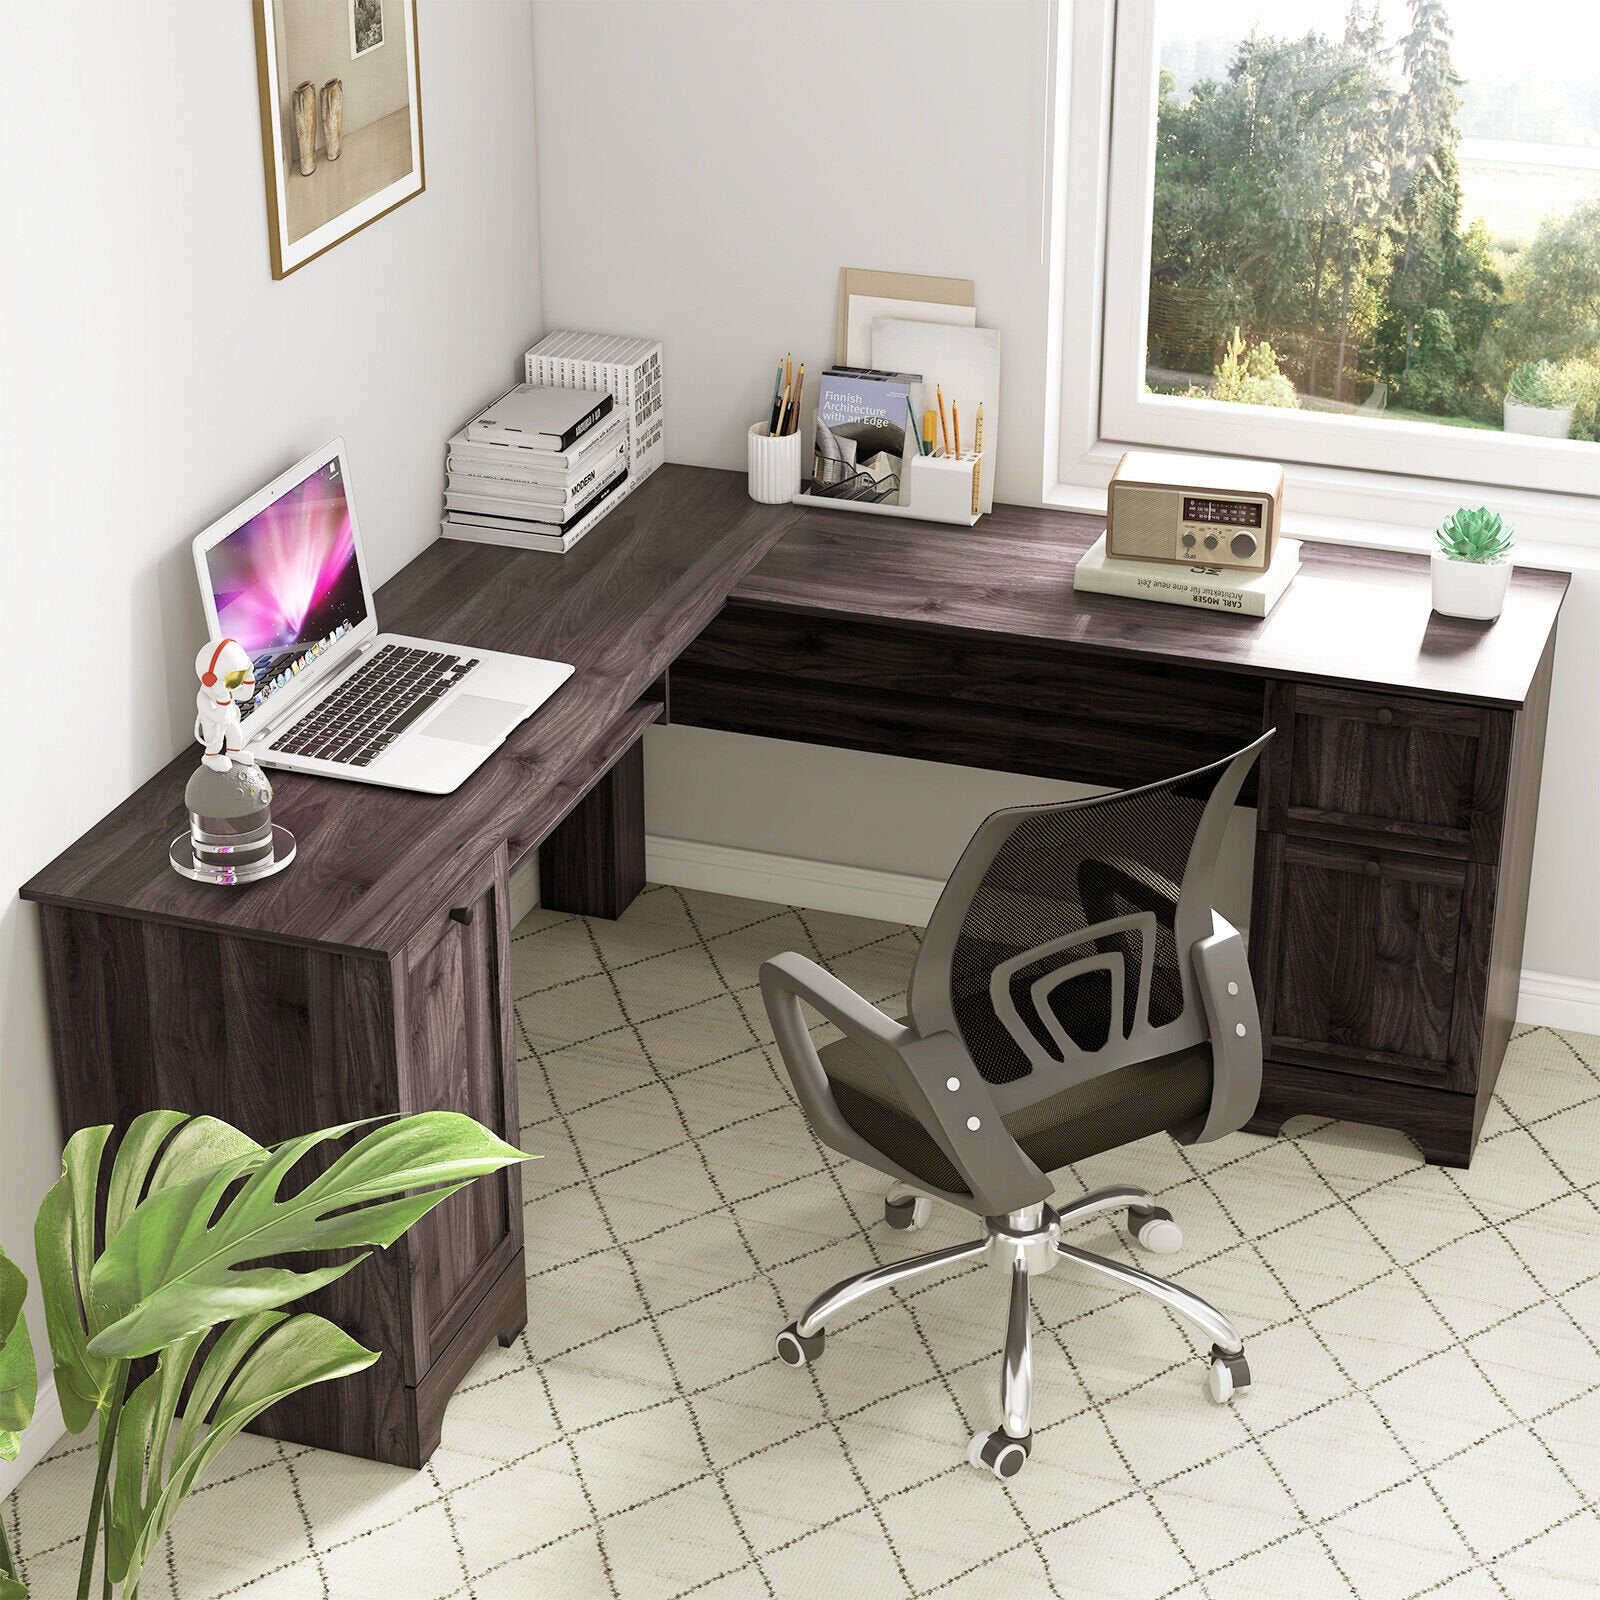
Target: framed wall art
x: 341, y: 119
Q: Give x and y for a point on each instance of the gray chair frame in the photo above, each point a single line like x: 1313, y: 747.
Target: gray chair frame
x: 928, y: 1064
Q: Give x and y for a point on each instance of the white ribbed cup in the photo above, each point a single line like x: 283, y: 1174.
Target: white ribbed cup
x: 774, y: 465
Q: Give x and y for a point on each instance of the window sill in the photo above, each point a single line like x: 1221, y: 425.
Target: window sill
x: 1378, y: 511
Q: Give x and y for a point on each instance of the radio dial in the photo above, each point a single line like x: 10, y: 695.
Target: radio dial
x: 1243, y: 545
x: 1211, y: 541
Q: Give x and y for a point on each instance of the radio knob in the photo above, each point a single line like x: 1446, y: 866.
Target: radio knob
x: 1243, y: 545
x: 1211, y: 541
x: 1188, y: 541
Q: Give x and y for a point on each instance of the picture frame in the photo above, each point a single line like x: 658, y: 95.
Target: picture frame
x: 341, y: 120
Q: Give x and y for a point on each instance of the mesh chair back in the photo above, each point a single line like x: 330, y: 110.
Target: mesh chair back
x: 1060, y: 946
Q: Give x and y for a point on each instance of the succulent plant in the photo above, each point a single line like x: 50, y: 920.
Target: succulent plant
x: 1537, y: 383
x: 1478, y: 536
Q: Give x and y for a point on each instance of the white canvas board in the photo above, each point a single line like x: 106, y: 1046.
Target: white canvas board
x: 964, y: 363
x: 864, y: 309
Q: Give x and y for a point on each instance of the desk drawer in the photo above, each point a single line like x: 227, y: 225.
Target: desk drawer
x: 1015, y: 705
x: 1371, y: 961
x: 1424, y: 774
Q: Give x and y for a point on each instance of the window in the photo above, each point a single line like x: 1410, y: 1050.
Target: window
x: 1354, y: 236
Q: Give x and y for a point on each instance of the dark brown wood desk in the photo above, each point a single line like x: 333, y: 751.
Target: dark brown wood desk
x: 1395, y: 808
x: 1396, y: 827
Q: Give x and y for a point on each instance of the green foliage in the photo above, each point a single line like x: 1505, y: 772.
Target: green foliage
x: 1552, y: 301
x: 1251, y: 376
x: 191, y: 1210
x: 19, y: 1378
x: 1536, y: 383
x: 1478, y: 536
x: 1578, y: 383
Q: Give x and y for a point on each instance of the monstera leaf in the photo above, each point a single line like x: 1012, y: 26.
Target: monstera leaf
x: 161, y: 1149
x: 161, y: 1456
x: 182, y: 1261
x: 19, y: 1379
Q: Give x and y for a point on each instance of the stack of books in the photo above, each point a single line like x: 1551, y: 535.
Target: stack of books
x: 618, y: 365
x: 537, y: 469
x: 1228, y: 589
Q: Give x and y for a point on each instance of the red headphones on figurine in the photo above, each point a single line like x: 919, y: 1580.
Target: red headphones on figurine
x: 209, y: 676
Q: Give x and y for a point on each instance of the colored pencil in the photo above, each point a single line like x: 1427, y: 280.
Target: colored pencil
x: 911, y: 412
x: 783, y: 406
x: 777, y: 396
x: 929, y: 426
x: 944, y: 432
x: 955, y: 426
x: 799, y: 389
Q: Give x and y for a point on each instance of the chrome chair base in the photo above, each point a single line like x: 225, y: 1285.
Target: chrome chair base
x: 1025, y: 1245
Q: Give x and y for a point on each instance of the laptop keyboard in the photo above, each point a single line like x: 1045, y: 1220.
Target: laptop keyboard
x: 375, y: 705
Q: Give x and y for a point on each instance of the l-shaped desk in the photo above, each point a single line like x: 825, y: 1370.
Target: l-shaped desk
x: 1395, y: 811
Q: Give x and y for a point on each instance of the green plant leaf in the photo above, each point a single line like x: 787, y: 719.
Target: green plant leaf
x: 181, y: 1262
x: 10, y: 1589
x: 19, y: 1377
x: 254, y: 1364
x: 160, y: 1149
x: 63, y: 1238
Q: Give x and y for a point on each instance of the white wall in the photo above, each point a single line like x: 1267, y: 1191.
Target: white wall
x: 914, y: 141
x: 155, y: 375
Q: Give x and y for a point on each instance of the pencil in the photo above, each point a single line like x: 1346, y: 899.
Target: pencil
x: 955, y: 426
x: 799, y: 389
x: 777, y: 396
x: 911, y: 412
x: 928, y: 427
x: 944, y: 433
x: 783, y: 406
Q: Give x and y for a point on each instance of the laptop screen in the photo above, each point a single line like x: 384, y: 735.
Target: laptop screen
x: 286, y: 583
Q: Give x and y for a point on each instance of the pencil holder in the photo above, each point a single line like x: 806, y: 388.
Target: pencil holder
x: 774, y: 465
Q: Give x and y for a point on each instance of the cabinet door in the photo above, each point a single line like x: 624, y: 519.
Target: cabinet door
x: 458, y: 1056
x: 1424, y: 774
x: 1372, y: 961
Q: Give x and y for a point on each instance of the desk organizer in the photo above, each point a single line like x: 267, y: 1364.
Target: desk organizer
x: 935, y: 488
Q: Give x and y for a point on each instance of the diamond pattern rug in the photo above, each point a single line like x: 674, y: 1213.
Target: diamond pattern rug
x: 1425, y: 1418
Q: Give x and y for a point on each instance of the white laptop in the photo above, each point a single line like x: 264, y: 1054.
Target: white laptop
x: 285, y: 575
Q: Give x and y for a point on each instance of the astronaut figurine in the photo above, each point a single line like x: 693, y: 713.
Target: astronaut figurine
x: 231, y: 837
x: 227, y: 678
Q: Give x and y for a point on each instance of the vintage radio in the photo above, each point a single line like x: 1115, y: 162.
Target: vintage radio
x: 1210, y: 511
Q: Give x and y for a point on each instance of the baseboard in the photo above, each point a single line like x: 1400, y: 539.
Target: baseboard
x: 38, y: 1438
x: 1556, y: 1001
x: 1547, y: 998
x: 791, y: 881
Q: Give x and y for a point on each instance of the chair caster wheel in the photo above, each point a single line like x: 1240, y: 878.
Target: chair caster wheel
x: 795, y: 1349
x: 908, y: 1214
x: 999, y: 1453
x: 1229, y: 1375
x: 1154, y: 1228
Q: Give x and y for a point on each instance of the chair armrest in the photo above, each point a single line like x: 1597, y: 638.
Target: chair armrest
x: 1222, y: 974
x: 991, y: 1164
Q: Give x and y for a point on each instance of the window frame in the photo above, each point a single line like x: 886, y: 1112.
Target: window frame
x: 1345, y: 476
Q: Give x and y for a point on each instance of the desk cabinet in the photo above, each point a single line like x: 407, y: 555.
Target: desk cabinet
x: 279, y: 1038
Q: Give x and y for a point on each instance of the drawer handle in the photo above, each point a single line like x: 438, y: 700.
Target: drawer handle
x: 1371, y: 869
x: 463, y: 914
x: 1385, y: 717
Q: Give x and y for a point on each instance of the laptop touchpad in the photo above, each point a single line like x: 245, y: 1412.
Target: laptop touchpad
x: 472, y: 719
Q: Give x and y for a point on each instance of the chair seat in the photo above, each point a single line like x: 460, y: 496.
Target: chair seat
x: 1102, y: 1113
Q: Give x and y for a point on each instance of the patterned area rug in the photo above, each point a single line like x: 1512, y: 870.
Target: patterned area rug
x: 1425, y: 1418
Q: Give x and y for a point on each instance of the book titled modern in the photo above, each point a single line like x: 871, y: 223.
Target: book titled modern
x: 1247, y: 594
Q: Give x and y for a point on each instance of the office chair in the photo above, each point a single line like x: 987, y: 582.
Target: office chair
x: 1076, y: 990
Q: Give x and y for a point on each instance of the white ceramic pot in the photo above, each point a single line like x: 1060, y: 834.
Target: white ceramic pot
x: 1544, y: 422
x: 1475, y: 589
x: 774, y: 465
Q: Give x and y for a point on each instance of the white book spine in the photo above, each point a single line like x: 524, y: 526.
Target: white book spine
x: 1174, y: 585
